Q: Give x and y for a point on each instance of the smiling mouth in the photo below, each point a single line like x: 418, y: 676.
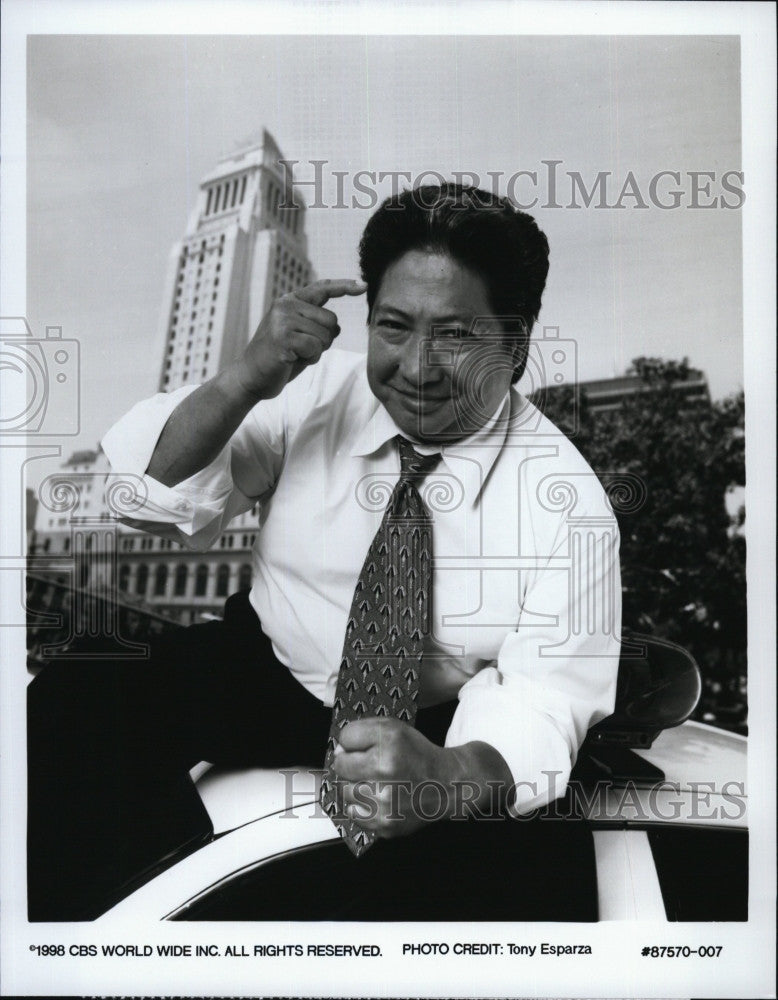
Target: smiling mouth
x: 419, y: 395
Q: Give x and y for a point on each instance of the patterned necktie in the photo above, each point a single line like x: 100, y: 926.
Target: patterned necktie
x: 389, y: 620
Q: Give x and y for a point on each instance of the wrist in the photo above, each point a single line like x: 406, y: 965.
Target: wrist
x: 234, y: 389
x: 477, y: 777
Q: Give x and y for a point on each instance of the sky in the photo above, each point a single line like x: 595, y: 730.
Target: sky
x: 122, y: 128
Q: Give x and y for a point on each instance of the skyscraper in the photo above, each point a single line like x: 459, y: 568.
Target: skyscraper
x: 240, y: 251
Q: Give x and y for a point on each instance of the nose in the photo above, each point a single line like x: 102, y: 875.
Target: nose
x: 420, y: 364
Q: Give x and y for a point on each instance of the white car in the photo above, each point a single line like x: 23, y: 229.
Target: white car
x: 663, y: 801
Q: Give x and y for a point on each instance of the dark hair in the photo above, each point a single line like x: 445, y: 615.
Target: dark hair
x: 482, y: 231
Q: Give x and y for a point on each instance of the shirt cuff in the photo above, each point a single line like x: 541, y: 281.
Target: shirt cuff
x: 502, y: 715
x: 193, y: 503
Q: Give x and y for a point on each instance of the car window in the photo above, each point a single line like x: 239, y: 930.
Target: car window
x: 467, y: 870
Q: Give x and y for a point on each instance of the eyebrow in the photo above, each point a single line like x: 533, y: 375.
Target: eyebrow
x: 462, y: 320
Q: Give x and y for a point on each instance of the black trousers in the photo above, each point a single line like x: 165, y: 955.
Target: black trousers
x: 110, y: 745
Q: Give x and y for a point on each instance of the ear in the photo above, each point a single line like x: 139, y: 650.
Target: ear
x: 520, y: 348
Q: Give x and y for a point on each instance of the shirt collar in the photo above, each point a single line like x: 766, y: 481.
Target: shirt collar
x: 469, y: 460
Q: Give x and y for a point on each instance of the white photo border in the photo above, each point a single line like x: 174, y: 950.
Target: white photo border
x: 749, y: 948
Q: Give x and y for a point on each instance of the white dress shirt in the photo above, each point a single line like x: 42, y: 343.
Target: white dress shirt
x: 526, y: 588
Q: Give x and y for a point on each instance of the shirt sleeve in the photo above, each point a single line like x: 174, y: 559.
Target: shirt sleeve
x: 196, y: 510
x: 555, y: 676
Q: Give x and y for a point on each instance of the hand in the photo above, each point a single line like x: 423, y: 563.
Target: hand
x: 294, y: 334
x: 394, y: 780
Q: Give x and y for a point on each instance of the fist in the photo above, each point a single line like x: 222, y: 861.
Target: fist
x: 392, y: 779
x: 294, y: 334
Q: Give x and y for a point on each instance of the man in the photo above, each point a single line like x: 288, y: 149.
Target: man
x: 517, y: 636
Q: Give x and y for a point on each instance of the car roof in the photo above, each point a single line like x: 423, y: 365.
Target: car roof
x: 704, y: 769
x: 696, y: 752
x: 704, y: 784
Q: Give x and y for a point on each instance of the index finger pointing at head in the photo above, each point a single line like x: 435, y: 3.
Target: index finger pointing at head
x: 318, y: 292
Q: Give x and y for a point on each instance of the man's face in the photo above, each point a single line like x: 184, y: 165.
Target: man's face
x: 438, y: 373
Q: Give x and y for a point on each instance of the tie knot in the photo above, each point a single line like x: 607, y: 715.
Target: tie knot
x: 412, y: 464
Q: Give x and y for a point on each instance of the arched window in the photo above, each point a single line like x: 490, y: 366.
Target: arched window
x: 222, y: 580
x: 201, y: 580
x: 182, y: 574
x: 142, y: 579
x: 124, y: 577
x: 244, y: 577
x: 160, y: 579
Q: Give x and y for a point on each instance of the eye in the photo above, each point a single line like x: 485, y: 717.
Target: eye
x: 391, y: 329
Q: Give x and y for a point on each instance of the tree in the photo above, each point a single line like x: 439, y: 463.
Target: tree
x: 683, y: 552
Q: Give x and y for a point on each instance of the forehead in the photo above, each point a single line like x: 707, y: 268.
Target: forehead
x: 427, y: 284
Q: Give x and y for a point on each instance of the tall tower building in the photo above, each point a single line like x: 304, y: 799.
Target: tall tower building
x: 241, y: 250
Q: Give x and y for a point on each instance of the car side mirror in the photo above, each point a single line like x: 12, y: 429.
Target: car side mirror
x: 658, y: 687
